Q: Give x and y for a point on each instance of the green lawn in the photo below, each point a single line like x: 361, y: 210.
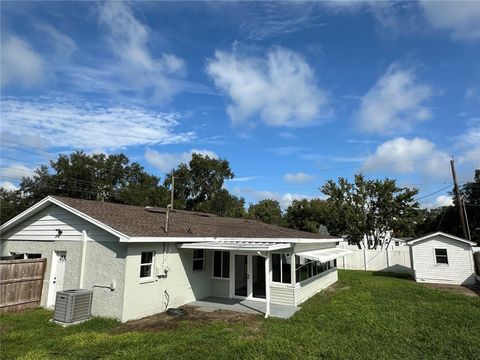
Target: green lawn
x: 367, y: 316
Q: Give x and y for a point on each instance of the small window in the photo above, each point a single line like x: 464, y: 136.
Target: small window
x: 221, y: 264
x: 34, y: 256
x: 441, y: 256
x: 146, y: 264
x: 17, y: 256
x: 198, y: 260
x: 397, y: 243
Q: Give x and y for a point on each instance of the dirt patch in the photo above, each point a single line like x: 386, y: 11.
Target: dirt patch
x: 468, y: 290
x: 163, y: 321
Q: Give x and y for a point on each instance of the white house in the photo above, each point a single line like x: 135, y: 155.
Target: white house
x: 442, y: 258
x: 138, y: 263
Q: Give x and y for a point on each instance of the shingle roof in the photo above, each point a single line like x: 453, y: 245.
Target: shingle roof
x: 136, y: 221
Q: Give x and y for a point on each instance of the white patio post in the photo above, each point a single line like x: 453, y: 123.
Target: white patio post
x: 267, y: 285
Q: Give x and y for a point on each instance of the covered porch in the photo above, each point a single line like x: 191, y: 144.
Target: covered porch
x: 263, y: 276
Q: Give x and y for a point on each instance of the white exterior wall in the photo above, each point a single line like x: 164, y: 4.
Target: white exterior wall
x: 182, y: 284
x: 306, y: 289
x: 104, y: 260
x: 459, y: 270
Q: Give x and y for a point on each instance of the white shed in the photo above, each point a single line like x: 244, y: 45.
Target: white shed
x: 442, y: 258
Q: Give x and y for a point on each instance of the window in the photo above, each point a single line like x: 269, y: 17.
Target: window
x: 397, y: 243
x: 221, y: 264
x: 17, y: 256
x: 146, y: 264
x: 281, y: 268
x: 34, y: 256
x: 441, y: 256
x: 198, y: 260
x: 306, y: 268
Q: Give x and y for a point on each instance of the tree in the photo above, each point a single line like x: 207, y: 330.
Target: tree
x: 93, y: 177
x: 224, y: 204
x: 446, y: 218
x: 199, y: 181
x: 307, y: 215
x: 369, y: 209
x: 267, y: 211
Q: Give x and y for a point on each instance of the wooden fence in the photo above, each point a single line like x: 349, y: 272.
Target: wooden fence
x: 21, y: 283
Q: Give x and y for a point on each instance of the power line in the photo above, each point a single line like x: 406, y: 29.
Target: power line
x: 433, y: 193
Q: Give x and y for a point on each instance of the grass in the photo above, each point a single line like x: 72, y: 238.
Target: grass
x: 365, y: 316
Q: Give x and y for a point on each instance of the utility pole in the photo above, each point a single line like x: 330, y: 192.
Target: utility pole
x: 458, y: 202
x: 172, y: 192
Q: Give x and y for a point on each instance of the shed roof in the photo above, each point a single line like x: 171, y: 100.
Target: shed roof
x: 147, y: 222
x: 450, y: 236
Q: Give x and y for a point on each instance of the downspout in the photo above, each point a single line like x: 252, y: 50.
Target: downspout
x: 83, y: 258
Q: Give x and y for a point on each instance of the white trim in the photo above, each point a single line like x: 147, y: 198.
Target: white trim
x: 49, y: 199
x: 204, y: 260
x: 453, y: 237
x: 182, y: 239
x: 435, y: 256
x: 221, y: 265
x: 150, y: 278
x: 244, y: 245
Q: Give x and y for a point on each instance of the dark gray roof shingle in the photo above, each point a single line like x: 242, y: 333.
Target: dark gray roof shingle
x: 135, y: 221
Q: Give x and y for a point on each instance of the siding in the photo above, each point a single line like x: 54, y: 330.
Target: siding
x: 310, y: 287
x: 182, y: 284
x: 220, y: 288
x: 43, y: 225
x: 460, y: 261
x: 282, y: 294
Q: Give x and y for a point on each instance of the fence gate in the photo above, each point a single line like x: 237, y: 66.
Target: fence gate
x: 21, y: 283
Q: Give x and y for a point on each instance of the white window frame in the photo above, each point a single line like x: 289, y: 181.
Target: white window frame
x: 281, y: 268
x: 197, y: 259
x: 221, y: 265
x: 435, y: 257
x: 152, y: 267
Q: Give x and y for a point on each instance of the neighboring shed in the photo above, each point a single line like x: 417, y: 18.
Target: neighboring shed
x: 442, y: 258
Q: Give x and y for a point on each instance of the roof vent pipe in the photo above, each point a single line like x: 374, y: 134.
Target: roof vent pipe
x: 167, y: 216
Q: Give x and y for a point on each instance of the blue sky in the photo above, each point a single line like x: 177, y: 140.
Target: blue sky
x: 292, y: 94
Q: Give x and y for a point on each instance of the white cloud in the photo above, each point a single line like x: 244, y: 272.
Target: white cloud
x: 20, y: 64
x: 8, y: 185
x: 394, y: 103
x: 15, y: 172
x: 299, y: 177
x: 71, y: 124
x: 128, y: 39
x: 402, y: 155
x: 285, y: 199
x: 63, y: 44
x: 244, y: 179
x: 462, y: 18
x: 263, y: 87
x: 168, y: 161
x: 443, y: 200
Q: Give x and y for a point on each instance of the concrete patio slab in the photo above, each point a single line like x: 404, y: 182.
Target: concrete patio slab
x: 244, y: 306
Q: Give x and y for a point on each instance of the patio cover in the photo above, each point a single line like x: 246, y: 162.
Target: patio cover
x: 325, y: 254
x: 236, y: 245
